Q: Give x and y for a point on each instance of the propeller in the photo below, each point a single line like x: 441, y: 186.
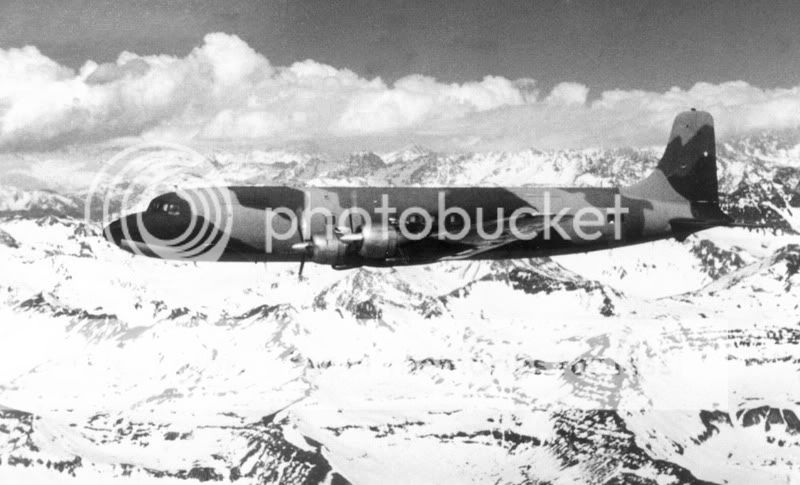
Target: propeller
x: 351, y: 237
x: 305, y: 245
x: 302, y: 263
x: 347, y: 234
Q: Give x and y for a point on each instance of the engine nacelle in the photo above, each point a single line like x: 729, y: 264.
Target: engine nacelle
x: 378, y: 242
x: 328, y: 251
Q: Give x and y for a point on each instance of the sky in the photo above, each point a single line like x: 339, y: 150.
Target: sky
x: 651, y: 45
x: 372, y: 74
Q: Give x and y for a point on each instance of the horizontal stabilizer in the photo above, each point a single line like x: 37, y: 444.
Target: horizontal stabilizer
x: 683, y: 227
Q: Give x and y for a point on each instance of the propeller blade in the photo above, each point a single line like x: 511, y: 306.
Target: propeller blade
x: 302, y: 265
x: 301, y: 247
x: 351, y: 238
x: 304, y: 245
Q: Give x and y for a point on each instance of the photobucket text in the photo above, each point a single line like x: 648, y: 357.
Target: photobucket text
x: 451, y: 223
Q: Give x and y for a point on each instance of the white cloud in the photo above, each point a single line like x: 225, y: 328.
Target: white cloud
x: 415, y: 99
x: 224, y: 90
x: 625, y: 117
x: 568, y: 93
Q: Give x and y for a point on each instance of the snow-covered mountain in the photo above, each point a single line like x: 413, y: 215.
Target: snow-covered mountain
x: 36, y: 203
x: 670, y: 362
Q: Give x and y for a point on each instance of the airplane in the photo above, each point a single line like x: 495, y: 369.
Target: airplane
x: 350, y: 227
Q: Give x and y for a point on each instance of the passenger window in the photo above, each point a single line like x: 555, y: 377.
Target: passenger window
x: 454, y: 221
x: 414, y: 224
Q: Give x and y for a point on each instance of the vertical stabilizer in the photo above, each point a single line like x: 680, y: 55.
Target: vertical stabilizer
x: 689, y: 162
x: 688, y: 169
x: 687, y: 173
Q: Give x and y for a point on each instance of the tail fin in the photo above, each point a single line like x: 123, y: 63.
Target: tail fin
x: 688, y: 169
x: 690, y: 160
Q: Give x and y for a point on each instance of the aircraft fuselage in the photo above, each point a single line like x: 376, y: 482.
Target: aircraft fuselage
x: 581, y: 219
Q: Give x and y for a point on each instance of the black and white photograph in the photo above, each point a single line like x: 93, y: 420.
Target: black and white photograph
x: 524, y: 242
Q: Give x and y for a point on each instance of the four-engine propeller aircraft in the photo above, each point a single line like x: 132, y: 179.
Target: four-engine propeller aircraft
x: 347, y: 227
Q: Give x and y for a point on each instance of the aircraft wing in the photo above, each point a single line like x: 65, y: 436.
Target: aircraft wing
x: 528, y: 226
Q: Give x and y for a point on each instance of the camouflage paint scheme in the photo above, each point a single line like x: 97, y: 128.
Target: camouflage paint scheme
x: 680, y: 197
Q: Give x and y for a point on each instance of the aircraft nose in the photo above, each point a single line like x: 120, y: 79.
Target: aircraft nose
x: 113, y: 232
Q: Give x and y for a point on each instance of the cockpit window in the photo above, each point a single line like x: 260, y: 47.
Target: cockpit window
x: 167, y: 207
x: 172, y: 209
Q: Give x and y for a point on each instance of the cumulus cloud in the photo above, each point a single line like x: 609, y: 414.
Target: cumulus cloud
x: 626, y: 117
x: 568, y: 93
x: 224, y: 90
